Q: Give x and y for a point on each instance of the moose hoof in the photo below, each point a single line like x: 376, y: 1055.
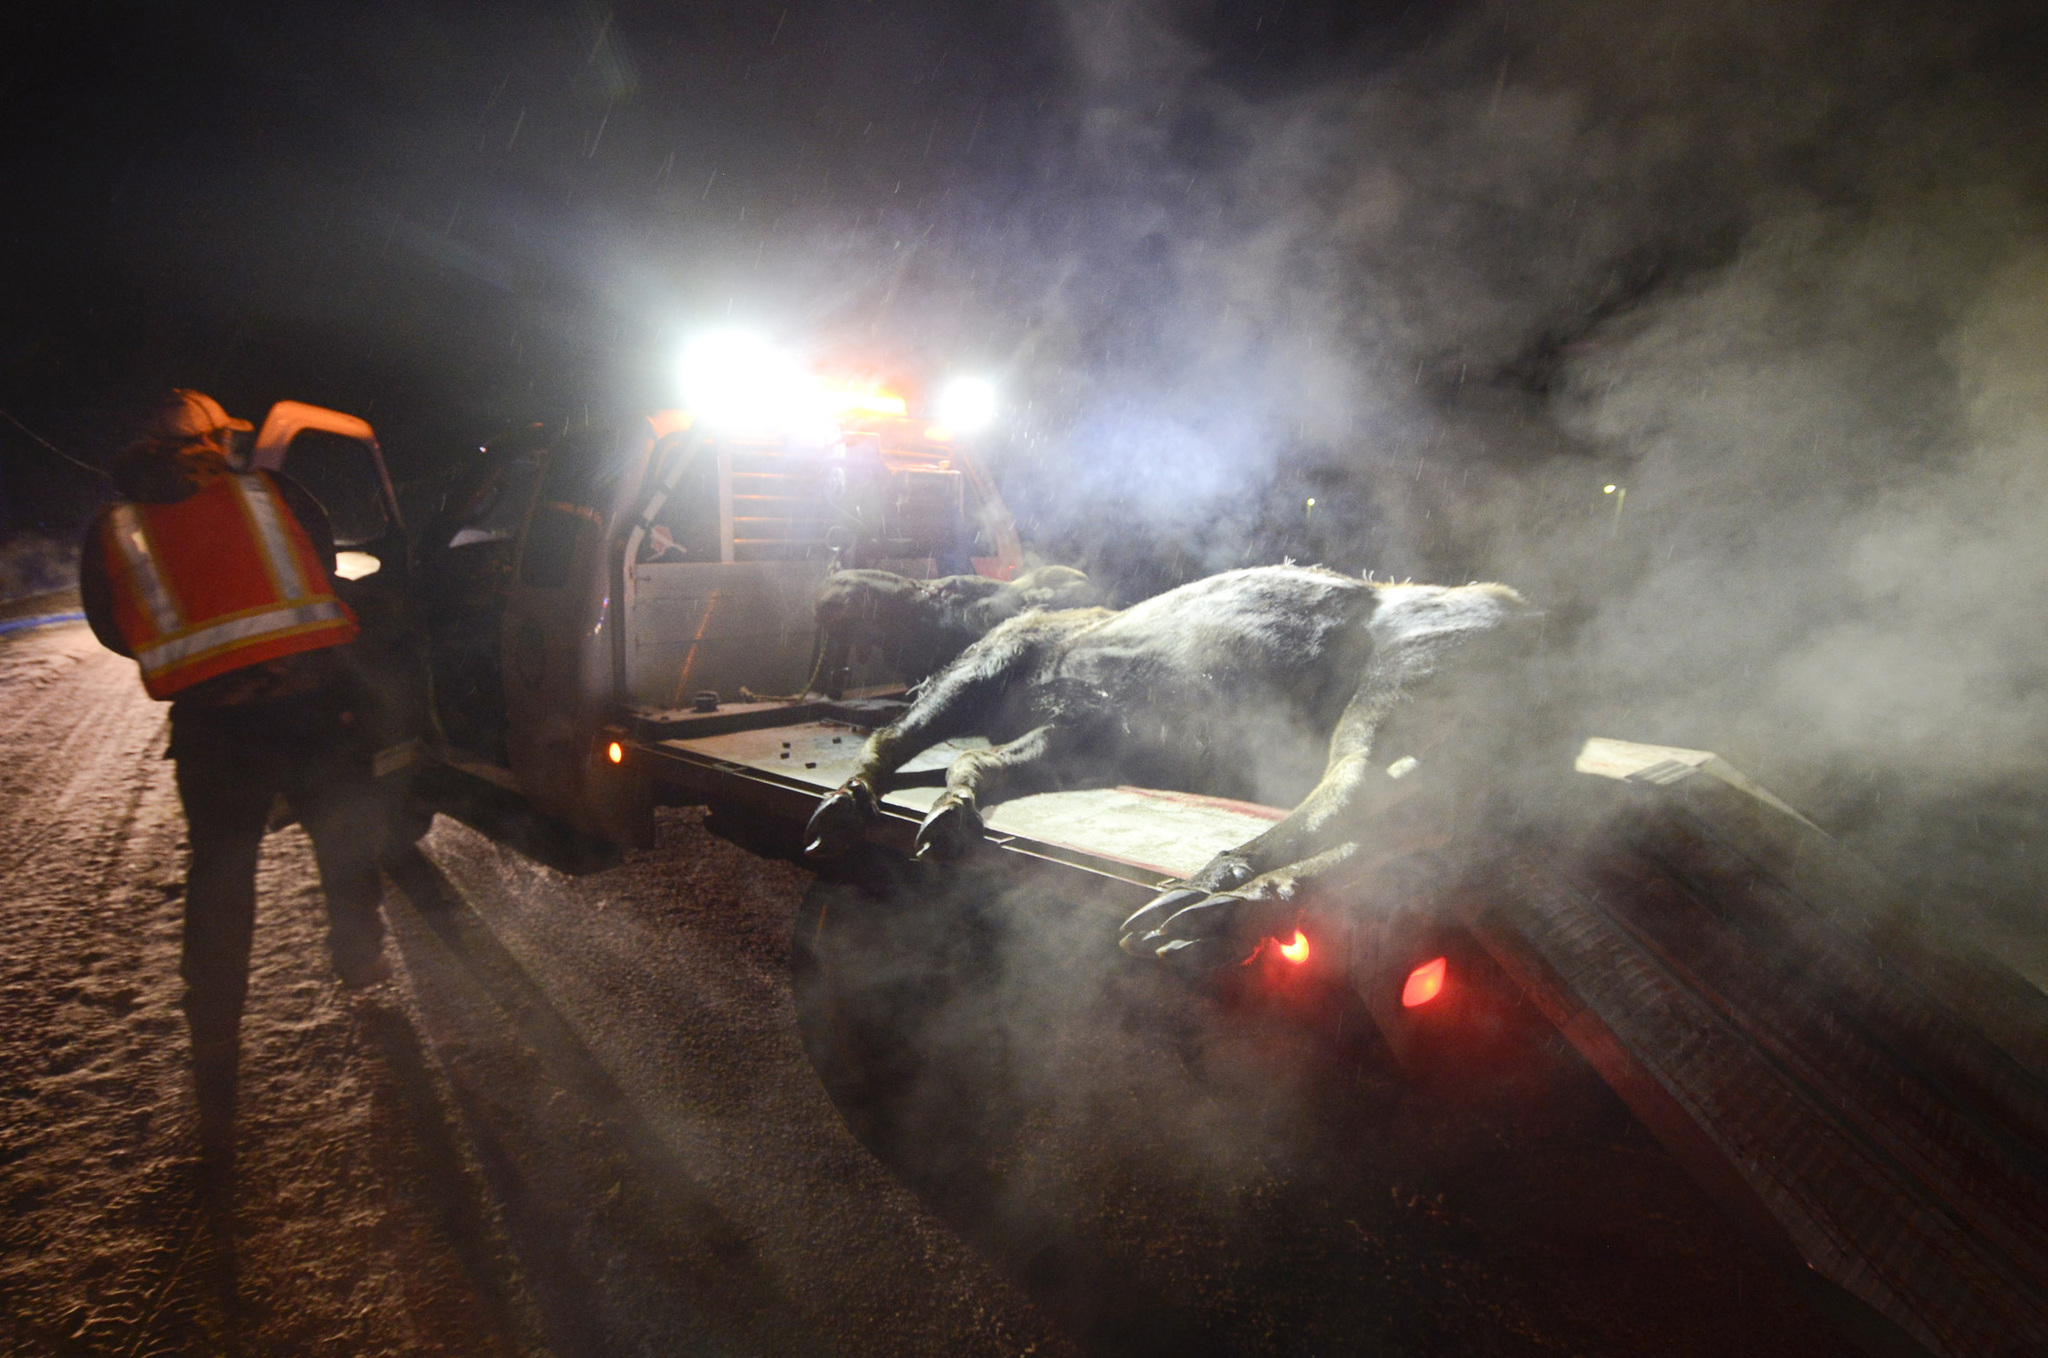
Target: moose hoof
x: 1191, y: 931
x: 952, y: 828
x: 838, y: 824
x: 1198, y: 957
x: 1145, y: 923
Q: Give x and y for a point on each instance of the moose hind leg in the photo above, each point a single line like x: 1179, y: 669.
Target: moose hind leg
x: 1226, y: 927
x: 1030, y: 763
x: 1346, y: 793
x: 1353, y: 789
x: 1215, y: 929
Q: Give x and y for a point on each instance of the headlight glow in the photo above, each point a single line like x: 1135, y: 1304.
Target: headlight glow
x: 736, y: 378
x: 356, y: 565
x: 966, y: 405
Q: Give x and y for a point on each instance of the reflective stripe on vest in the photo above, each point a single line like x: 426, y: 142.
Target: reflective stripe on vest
x: 131, y: 539
x: 277, y: 548
x: 269, y: 622
x: 253, y: 589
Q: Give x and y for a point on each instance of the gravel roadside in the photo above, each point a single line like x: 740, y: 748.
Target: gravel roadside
x: 579, y: 1120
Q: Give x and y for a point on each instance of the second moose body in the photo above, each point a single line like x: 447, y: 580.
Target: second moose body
x: 923, y: 625
x: 1285, y: 684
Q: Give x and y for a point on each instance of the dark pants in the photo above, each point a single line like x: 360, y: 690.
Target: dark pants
x: 232, y: 762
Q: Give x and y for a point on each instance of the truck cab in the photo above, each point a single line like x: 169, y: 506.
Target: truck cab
x: 615, y: 572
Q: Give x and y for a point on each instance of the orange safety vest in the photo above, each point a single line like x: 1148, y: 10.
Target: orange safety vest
x: 222, y: 579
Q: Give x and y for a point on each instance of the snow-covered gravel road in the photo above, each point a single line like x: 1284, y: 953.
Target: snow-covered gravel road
x: 451, y: 1163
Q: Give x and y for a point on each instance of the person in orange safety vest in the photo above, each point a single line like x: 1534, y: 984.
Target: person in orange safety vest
x: 218, y: 583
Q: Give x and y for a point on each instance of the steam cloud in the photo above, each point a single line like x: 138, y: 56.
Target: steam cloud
x: 1779, y: 273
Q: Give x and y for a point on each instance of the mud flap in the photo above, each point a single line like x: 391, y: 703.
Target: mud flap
x: 618, y: 795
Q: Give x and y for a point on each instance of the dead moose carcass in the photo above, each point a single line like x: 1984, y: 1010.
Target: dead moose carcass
x: 1290, y: 685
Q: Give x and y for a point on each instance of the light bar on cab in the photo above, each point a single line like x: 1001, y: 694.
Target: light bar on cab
x: 738, y: 380
x: 850, y: 402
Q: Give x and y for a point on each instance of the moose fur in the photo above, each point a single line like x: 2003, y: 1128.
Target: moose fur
x: 1292, y: 685
x: 922, y: 625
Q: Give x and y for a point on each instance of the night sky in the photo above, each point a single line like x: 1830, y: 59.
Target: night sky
x: 451, y: 218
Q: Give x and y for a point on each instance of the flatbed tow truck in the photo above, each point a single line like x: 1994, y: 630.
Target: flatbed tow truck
x: 1867, y: 1095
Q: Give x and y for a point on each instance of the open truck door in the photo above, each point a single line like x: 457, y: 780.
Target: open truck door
x: 337, y: 459
x: 466, y: 560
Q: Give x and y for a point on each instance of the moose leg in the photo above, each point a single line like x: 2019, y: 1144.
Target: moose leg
x: 1227, y: 926
x: 953, y: 704
x: 1353, y: 789
x: 1213, y: 930
x: 1030, y: 763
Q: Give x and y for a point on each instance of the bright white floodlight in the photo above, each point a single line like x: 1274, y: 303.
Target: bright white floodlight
x: 732, y: 377
x: 967, y: 404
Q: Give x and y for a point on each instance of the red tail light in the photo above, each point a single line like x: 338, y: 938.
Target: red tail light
x: 1297, y: 951
x: 1425, y: 983
x: 615, y: 752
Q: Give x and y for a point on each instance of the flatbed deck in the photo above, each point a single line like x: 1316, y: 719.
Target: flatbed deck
x: 1132, y: 838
